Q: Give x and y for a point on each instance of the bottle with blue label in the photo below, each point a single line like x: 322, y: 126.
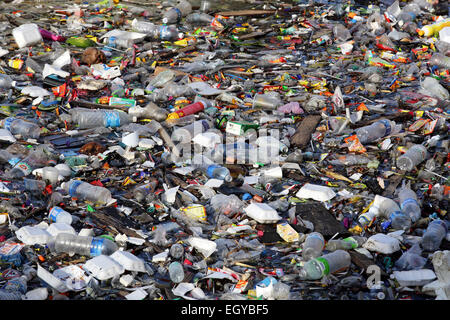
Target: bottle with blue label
x: 376, y: 130
x: 408, y: 202
x: 86, y: 191
x: 59, y: 215
x: 211, y: 170
x: 86, y: 246
x: 435, y: 233
x: 102, y: 118
x: 174, y: 15
x: 25, y: 128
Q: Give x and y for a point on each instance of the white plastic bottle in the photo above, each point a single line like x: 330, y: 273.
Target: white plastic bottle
x: 315, y: 269
x: 25, y: 128
x: 381, y: 207
x: 313, y: 246
x: 411, y: 158
x: 86, y: 191
x: 408, y: 202
x: 86, y: 246
x: 59, y: 215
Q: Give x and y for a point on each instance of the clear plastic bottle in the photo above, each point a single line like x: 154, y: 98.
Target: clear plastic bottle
x: 176, y: 272
x: 271, y: 143
x: 400, y: 220
x: 211, y: 170
x: 174, y: 15
x: 169, y: 33
x: 411, y: 158
x: 108, y: 119
x: 199, y: 17
x: 142, y: 191
x: 15, y: 288
x: 86, y: 246
x: 435, y: 233
x: 408, y: 202
x: 86, y: 191
x: 313, y: 246
x: 25, y: 128
x: 408, y: 14
x: 345, y: 244
x: 438, y: 59
x: 151, y: 111
x: 176, y: 251
x: 381, y: 207
x: 375, y: 131
x: 59, y: 215
x: 432, y: 87
x: 186, y: 133
x: 330, y: 263
x: 296, y: 156
x: 36, y: 159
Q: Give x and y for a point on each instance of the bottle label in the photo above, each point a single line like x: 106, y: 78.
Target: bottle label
x: 387, y: 125
x: 210, y: 170
x: 24, y: 167
x: 352, y: 241
x: 15, y: 285
x: 112, y: 119
x: 54, y: 213
x: 8, y: 122
x: 408, y: 201
x: 364, y: 219
x: 315, y: 236
x: 178, y: 13
x: 13, y: 161
x: 324, y: 266
x: 96, y: 246
x: 73, y: 187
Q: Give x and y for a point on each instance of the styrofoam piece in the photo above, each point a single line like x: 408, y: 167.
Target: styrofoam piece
x: 27, y: 34
x: 382, y: 243
x: 86, y: 232
x: 37, y: 294
x: 128, y: 260
x: 161, y: 257
x: 73, y: 276
x: 138, y: 294
x: 414, y: 277
x: 444, y: 34
x: 207, y: 139
x: 33, y: 235
x: 126, y: 280
x: 262, y: 213
x: 131, y: 139
x: 204, y: 246
x: 103, y: 267
x: 315, y: 192
x: 57, y: 228
x: 51, y: 280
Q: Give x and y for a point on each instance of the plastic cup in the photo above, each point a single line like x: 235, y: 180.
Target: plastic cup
x: 51, y: 174
x: 131, y: 140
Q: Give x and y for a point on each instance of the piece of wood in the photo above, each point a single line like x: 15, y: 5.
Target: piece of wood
x: 302, y: 135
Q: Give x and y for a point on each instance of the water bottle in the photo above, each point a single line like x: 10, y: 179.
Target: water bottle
x: 186, y: 133
x: 313, y: 246
x: 408, y: 14
x: 102, y: 118
x: 198, y: 17
x: 36, y: 159
x: 211, y: 170
x: 169, y: 33
x: 433, y: 88
x: 375, y: 131
x: 15, y: 288
x: 399, y: 220
x: 411, y: 158
x: 408, y: 203
x: 25, y: 128
x: 142, y: 191
x: 435, y: 233
x: 144, y: 27
x: 174, y: 15
x: 86, y: 191
x: 176, y: 272
x: 382, y: 207
x: 85, y: 246
x: 59, y: 215
x: 6, y: 82
x: 315, y: 269
x: 345, y: 244
x: 438, y: 59
x: 176, y: 251
x: 272, y: 144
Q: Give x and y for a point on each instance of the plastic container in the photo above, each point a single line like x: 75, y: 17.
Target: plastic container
x: 327, y: 264
x: 86, y: 191
x: 176, y: 272
x: 315, y: 192
x: 381, y: 207
x: 56, y: 228
x: 409, y: 204
x: 87, y: 246
x: 266, y: 101
x: 50, y: 174
x: 411, y: 158
x: 142, y: 191
x: 262, y: 213
x: 33, y: 235
x: 27, y: 35
x: 376, y: 130
x: 198, y: 17
x: 271, y: 143
x: 413, y: 278
x: 382, y: 243
x: 174, y: 15
x: 313, y: 246
x: 103, y: 267
x: 128, y: 261
x: 25, y: 128
x: 345, y: 244
x: 176, y: 251
x: 435, y: 233
x: 210, y: 169
x: 186, y: 133
x: 204, y: 246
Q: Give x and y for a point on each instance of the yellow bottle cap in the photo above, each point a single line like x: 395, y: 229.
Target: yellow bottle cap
x: 173, y: 115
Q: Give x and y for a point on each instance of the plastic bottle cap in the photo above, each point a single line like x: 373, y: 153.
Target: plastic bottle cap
x: 173, y: 115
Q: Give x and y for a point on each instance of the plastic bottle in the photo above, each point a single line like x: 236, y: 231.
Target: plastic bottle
x: 198, y: 17
x: 327, y: 264
x: 313, y: 246
x: 210, y: 169
x: 6, y: 82
x: 408, y: 14
x: 174, y: 15
x: 59, y: 215
x: 376, y: 130
x: 176, y: 272
x: 151, y: 111
x: 176, y: 251
x: 345, y: 244
x: 381, y: 207
x: 435, y: 233
x: 269, y: 142
x: 431, y: 29
x: 296, y: 156
x: 432, y: 87
x: 108, y: 119
x: 36, y: 159
x: 86, y: 246
x: 186, y: 133
x: 169, y: 33
x: 399, y: 220
x: 190, y: 109
x: 15, y: 288
x: 86, y: 191
x: 25, y: 128
x: 438, y: 59
x: 141, y: 192
x: 408, y: 202
x: 411, y: 158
